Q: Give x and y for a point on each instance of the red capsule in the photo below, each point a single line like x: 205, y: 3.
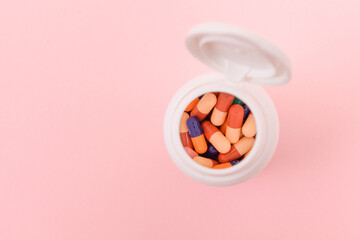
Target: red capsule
x: 234, y: 123
x: 184, y: 132
x: 206, y: 162
x: 215, y: 137
x: 219, y: 113
x: 204, y: 106
x: 237, y: 150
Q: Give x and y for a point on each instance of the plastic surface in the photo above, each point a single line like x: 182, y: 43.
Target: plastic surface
x: 238, y: 54
x: 266, y: 120
x: 244, y: 59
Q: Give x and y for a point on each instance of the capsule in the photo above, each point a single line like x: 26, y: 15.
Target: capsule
x: 237, y: 150
x: 246, y: 112
x: 247, y: 154
x: 196, y: 135
x: 215, y: 137
x: 184, y: 132
x: 223, y: 127
x: 234, y: 123
x: 191, y: 152
x: 204, y: 106
x: 237, y: 101
x: 206, y: 162
x: 227, y: 165
x: 211, y: 152
x: 249, y: 128
x: 219, y: 113
x: 192, y: 105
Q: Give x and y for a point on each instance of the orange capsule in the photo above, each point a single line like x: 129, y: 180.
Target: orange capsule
x: 249, y: 128
x: 237, y: 150
x: 184, y: 132
x: 204, y: 106
x: 206, y: 162
x: 219, y: 113
x: 226, y: 165
x: 223, y: 127
x: 192, y: 105
x: 215, y: 137
x: 196, y: 134
x: 222, y: 165
x: 234, y: 123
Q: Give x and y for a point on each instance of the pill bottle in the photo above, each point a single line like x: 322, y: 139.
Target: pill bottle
x: 243, y: 62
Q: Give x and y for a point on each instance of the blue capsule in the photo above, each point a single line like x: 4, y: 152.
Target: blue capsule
x: 211, y: 152
x: 246, y: 112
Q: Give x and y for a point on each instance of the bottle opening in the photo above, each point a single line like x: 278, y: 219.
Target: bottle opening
x: 217, y: 130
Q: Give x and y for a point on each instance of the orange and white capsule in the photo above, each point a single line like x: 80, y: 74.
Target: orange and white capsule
x: 237, y: 150
x: 204, y: 106
x: 249, y: 128
x: 234, y: 123
x: 215, y: 137
x: 206, y: 162
x: 192, y: 105
x: 184, y: 132
x: 220, y: 111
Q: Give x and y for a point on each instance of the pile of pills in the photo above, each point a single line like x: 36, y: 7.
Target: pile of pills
x: 217, y: 130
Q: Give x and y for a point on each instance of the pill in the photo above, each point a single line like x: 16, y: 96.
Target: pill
x: 234, y: 123
x: 226, y: 165
x: 237, y: 101
x: 249, y: 128
x: 184, y: 132
x: 206, y: 162
x: 246, y: 112
x: 223, y: 127
x: 204, y: 106
x: 215, y: 137
x: 196, y: 134
x: 220, y: 111
x: 237, y: 150
x: 192, y: 105
x: 211, y: 152
x: 247, y: 153
x: 191, y: 152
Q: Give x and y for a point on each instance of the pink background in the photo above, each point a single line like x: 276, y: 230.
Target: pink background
x: 84, y: 85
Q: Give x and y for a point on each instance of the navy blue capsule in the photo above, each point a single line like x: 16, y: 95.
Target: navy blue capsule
x: 235, y: 162
x: 246, y: 112
x: 211, y: 152
x: 194, y: 127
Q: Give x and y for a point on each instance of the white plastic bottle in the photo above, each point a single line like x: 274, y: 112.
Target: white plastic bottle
x: 243, y: 61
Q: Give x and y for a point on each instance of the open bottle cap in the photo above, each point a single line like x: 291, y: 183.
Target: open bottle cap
x: 240, y: 55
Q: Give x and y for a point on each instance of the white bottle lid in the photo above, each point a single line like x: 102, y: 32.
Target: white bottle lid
x: 240, y: 55
x: 242, y: 58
